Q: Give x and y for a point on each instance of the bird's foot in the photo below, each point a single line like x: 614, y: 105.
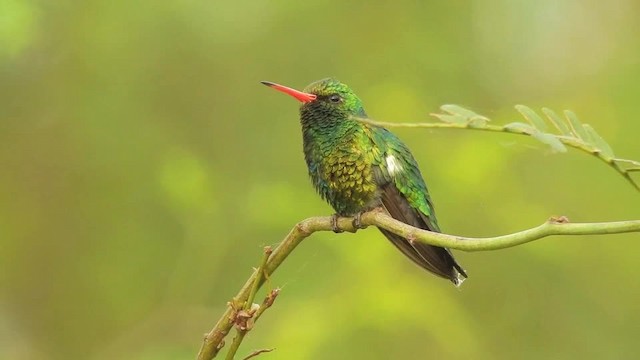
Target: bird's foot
x: 357, y: 221
x: 334, y: 224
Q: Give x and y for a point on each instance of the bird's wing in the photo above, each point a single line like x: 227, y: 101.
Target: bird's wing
x: 405, y: 196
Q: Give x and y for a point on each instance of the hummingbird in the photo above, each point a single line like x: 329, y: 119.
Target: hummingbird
x: 356, y: 167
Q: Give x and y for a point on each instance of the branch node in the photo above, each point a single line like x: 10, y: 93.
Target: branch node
x: 221, y: 345
x: 378, y: 210
x: 411, y: 237
x: 302, y: 228
x: 244, y: 318
x: 559, y: 220
x: 271, y: 297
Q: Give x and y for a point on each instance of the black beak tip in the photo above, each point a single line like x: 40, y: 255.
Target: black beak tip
x: 267, y: 83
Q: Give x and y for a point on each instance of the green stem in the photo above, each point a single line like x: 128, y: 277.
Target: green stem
x: 569, y: 141
x: 260, y: 274
x: 235, y: 345
x: 214, y: 339
x: 505, y: 241
x: 237, y: 340
x: 268, y: 301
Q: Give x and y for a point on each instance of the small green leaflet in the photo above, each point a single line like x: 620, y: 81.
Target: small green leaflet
x: 520, y: 127
x: 598, y: 141
x: 557, y: 121
x: 533, y: 118
x: 549, y: 139
x: 576, y: 126
x: 460, y: 115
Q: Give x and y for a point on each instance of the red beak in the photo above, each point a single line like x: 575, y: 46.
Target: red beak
x: 301, y: 96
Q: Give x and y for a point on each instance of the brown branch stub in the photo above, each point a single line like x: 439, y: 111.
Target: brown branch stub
x: 411, y: 237
x: 246, y: 313
x: 303, y: 229
x: 559, y: 220
x: 244, y: 319
x: 221, y: 345
x: 236, y: 307
x: 268, y: 301
x: 268, y: 250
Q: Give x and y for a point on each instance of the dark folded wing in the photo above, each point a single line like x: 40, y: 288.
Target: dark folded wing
x: 405, y: 196
x: 432, y: 258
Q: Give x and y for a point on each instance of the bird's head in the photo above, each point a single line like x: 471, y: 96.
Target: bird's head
x: 325, y: 99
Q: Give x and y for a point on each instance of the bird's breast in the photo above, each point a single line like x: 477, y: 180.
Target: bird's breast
x: 345, y: 178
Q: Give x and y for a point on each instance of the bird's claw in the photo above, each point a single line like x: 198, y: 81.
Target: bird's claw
x: 334, y: 224
x: 357, y: 221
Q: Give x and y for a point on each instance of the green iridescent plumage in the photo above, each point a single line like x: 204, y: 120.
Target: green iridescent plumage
x: 357, y: 167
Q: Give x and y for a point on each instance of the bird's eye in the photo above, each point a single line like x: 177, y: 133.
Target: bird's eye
x: 335, y: 98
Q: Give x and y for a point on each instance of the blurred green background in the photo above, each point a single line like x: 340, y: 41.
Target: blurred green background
x: 143, y: 168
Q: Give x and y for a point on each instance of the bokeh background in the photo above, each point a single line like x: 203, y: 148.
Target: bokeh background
x: 143, y: 168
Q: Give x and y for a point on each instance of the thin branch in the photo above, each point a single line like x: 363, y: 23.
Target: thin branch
x: 268, y: 301
x: 554, y: 226
x: 235, y: 345
x: 213, y: 341
x: 260, y: 274
x: 257, y: 352
x: 250, y: 312
x: 251, y: 317
x: 574, y: 134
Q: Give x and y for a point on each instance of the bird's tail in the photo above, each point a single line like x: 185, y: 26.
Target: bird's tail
x: 434, y: 259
